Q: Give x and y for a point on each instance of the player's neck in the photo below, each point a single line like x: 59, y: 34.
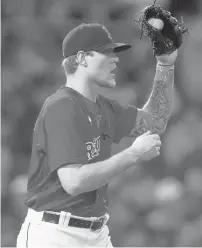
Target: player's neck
x: 84, y: 87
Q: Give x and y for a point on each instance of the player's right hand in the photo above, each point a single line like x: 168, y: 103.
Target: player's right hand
x: 147, y: 146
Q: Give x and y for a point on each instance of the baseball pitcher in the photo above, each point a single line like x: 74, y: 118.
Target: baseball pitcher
x: 71, y: 163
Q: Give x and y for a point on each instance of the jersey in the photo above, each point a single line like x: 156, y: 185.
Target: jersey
x: 71, y: 129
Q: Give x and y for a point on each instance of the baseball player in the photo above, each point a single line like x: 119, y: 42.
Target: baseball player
x: 71, y: 164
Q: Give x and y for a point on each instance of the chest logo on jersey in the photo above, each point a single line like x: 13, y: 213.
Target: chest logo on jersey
x: 93, y: 148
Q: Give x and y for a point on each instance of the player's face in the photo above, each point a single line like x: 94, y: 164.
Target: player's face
x: 101, y: 68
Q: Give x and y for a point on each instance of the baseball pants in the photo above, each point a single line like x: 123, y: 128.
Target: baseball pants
x: 36, y: 233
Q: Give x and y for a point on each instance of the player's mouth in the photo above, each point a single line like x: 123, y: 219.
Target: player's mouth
x: 113, y: 71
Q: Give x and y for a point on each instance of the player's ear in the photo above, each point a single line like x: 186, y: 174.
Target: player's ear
x: 81, y: 58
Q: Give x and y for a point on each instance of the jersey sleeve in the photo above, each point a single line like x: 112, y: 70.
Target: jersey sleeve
x: 65, y: 134
x: 122, y: 118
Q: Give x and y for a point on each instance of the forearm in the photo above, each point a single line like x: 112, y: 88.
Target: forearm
x: 159, y: 104
x: 95, y: 175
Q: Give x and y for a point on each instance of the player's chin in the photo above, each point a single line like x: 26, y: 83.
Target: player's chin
x: 110, y: 82
x: 107, y: 83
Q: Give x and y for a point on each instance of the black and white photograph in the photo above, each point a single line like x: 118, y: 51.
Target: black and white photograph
x: 101, y: 123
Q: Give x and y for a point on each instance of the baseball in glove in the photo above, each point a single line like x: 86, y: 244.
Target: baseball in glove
x: 164, y: 31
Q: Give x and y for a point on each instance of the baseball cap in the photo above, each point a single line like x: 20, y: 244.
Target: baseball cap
x: 90, y: 36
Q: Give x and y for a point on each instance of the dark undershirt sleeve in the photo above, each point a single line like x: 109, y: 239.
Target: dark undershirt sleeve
x: 65, y: 134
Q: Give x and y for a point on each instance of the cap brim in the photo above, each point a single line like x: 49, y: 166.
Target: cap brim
x: 119, y: 47
x: 115, y: 47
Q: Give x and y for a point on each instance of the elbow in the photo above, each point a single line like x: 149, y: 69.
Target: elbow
x: 71, y: 186
x: 72, y: 190
x: 70, y: 180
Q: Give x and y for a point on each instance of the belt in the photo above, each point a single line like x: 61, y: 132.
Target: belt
x: 74, y: 221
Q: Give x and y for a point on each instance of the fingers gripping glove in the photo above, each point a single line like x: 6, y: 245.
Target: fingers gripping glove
x: 165, y: 34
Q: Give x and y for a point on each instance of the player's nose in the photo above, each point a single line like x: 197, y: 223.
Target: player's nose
x: 115, y: 59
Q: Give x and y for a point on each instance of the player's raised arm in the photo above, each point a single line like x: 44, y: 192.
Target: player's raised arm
x: 165, y: 34
x: 155, y: 113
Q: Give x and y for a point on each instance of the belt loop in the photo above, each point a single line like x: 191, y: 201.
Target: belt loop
x: 106, y: 216
x: 34, y: 216
x: 64, y: 218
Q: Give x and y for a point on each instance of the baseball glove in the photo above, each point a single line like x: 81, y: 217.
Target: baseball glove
x: 166, y: 39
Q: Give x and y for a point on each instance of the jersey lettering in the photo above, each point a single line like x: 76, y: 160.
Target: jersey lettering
x: 93, y: 148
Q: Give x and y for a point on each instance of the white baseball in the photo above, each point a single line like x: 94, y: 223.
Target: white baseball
x: 156, y: 23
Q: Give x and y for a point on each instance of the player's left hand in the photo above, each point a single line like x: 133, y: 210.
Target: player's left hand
x: 164, y: 31
x: 167, y: 59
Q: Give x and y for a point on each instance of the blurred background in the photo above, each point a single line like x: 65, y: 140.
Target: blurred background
x: 159, y: 203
